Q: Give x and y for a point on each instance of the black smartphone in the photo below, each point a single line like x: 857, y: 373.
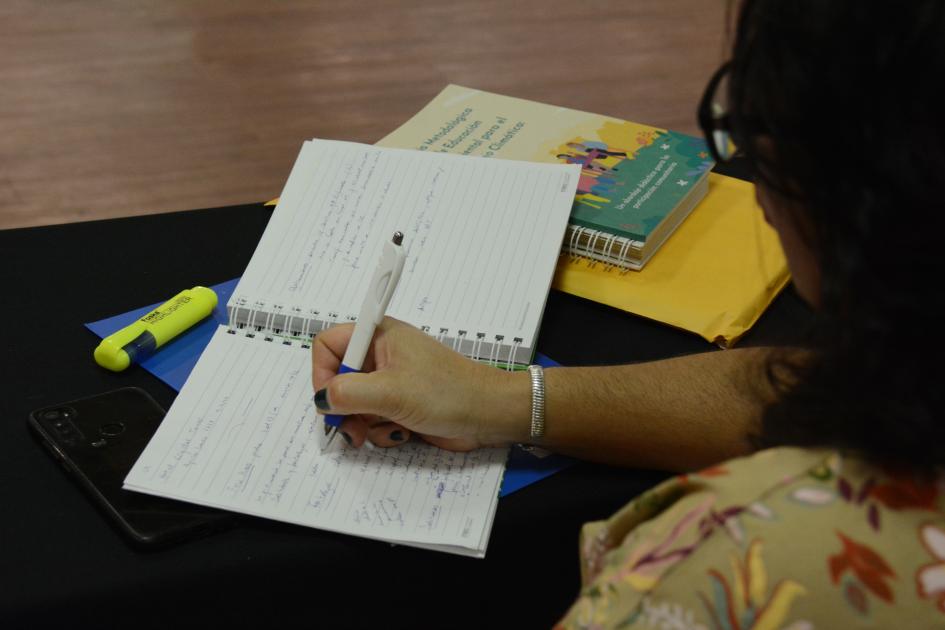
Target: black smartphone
x: 97, y: 440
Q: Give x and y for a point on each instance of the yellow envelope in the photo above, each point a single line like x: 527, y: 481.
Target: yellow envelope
x: 714, y: 276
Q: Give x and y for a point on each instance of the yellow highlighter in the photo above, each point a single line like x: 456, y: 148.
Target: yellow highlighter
x: 139, y: 340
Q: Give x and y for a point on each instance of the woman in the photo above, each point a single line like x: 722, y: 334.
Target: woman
x: 840, y: 520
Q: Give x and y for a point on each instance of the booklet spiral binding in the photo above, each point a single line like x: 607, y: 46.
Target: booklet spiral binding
x: 291, y: 326
x: 602, y: 246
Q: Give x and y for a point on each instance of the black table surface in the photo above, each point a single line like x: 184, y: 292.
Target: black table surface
x: 62, y: 563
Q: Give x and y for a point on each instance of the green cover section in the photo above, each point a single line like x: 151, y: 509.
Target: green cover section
x: 630, y: 195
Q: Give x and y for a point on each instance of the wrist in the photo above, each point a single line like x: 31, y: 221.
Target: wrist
x: 506, y: 409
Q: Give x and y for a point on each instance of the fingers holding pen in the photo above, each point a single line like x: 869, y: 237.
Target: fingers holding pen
x: 367, y: 400
x: 412, y: 380
x: 359, y: 392
x: 328, y: 349
x: 380, y: 432
x: 326, y: 360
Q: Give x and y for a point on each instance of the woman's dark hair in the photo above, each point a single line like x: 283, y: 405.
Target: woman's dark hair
x: 848, y: 96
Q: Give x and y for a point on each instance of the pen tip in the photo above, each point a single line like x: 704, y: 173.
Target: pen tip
x: 398, y: 238
x: 328, y: 443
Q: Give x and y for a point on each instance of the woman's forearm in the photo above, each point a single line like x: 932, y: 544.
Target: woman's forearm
x: 675, y: 414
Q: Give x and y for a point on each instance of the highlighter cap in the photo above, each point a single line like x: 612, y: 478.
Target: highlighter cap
x: 111, y: 356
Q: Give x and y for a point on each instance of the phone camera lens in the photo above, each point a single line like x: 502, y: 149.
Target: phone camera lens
x: 112, y: 429
x: 52, y: 415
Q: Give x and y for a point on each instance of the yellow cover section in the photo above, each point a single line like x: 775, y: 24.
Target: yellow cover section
x: 714, y: 276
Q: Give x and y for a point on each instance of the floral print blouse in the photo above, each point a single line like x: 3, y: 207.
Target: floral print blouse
x: 786, y: 538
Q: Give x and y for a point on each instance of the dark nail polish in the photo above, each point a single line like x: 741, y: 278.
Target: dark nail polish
x: 397, y: 436
x: 321, y: 400
x: 346, y: 437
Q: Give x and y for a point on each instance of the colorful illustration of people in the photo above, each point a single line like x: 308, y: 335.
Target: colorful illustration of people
x: 599, y: 165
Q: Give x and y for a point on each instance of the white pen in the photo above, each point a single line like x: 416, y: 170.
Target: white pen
x: 382, y: 287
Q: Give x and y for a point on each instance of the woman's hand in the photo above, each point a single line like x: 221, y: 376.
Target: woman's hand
x: 411, y: 382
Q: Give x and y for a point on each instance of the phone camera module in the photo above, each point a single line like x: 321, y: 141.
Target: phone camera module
x: 111, y: 429
x: 58, y: 415
x: 52, y: 415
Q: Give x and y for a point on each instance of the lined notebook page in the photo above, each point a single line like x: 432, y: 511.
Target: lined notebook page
x: 243, y: 435
x: 482, y: 237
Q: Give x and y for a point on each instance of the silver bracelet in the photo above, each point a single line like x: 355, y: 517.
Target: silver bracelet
x: 538, y: 402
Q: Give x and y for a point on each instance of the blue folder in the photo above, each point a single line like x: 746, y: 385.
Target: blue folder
x: 174, y: 362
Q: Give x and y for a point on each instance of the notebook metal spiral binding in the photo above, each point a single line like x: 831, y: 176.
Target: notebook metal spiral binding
x: 498, y: 347
x: 289, y: 325
x: 293, y: 326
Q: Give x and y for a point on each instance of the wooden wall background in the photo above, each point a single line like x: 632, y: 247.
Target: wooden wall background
x: 116, y: 108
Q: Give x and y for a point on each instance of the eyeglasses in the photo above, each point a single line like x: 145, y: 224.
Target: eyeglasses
x: 714, y: 118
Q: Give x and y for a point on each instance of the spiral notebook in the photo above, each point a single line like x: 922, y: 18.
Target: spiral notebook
x: 482, y: 239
